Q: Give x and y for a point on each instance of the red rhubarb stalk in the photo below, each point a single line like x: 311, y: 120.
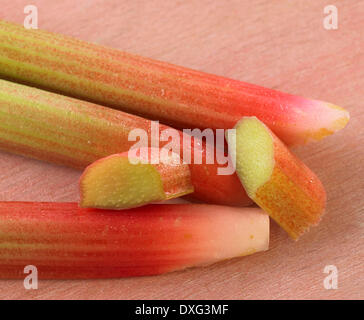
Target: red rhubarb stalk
x: 76, y: 133
x: 64, y: 241
x: 175, y: 95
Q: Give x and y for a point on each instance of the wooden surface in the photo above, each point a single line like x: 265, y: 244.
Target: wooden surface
x: 278, y: 44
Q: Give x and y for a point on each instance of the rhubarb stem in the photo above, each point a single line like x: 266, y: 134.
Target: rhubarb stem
x: 76, y: 133
x: 64, y: 241
x: 177, y: 96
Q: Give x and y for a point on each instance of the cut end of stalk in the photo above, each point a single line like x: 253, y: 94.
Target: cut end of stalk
x: 329, y: 120
x: 255, y: 154
x: 116, y: 183
x: 277, y: 180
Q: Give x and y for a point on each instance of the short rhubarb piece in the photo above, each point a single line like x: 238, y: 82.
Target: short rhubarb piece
x: 276, y: 179
x: 177, y: 96
x: 67, y: 242
x: 123, y: 181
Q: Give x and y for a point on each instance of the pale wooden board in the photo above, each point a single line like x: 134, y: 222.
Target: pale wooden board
x: 278, y: 44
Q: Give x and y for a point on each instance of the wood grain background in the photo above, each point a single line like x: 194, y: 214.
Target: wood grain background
x: 278, y: 44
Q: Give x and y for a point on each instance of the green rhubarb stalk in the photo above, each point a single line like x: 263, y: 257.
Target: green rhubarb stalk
x: 175, y: 95
x: 76, y: 133
x: 122, y: 181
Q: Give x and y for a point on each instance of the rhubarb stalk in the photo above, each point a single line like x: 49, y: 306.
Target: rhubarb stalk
x: 76, y: 133
x: 177, y: 96
x: 64, y: 241
x: 122, y: 181
x: 276, y: 179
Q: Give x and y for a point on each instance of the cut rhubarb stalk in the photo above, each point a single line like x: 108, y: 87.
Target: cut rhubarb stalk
x: 175, y: 95
x: 76, y: 133
x: 65, y: 241
x: 115, y: 182
x: 276, y: 179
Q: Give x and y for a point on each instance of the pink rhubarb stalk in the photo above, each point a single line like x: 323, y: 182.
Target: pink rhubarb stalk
x: 66, y: 242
